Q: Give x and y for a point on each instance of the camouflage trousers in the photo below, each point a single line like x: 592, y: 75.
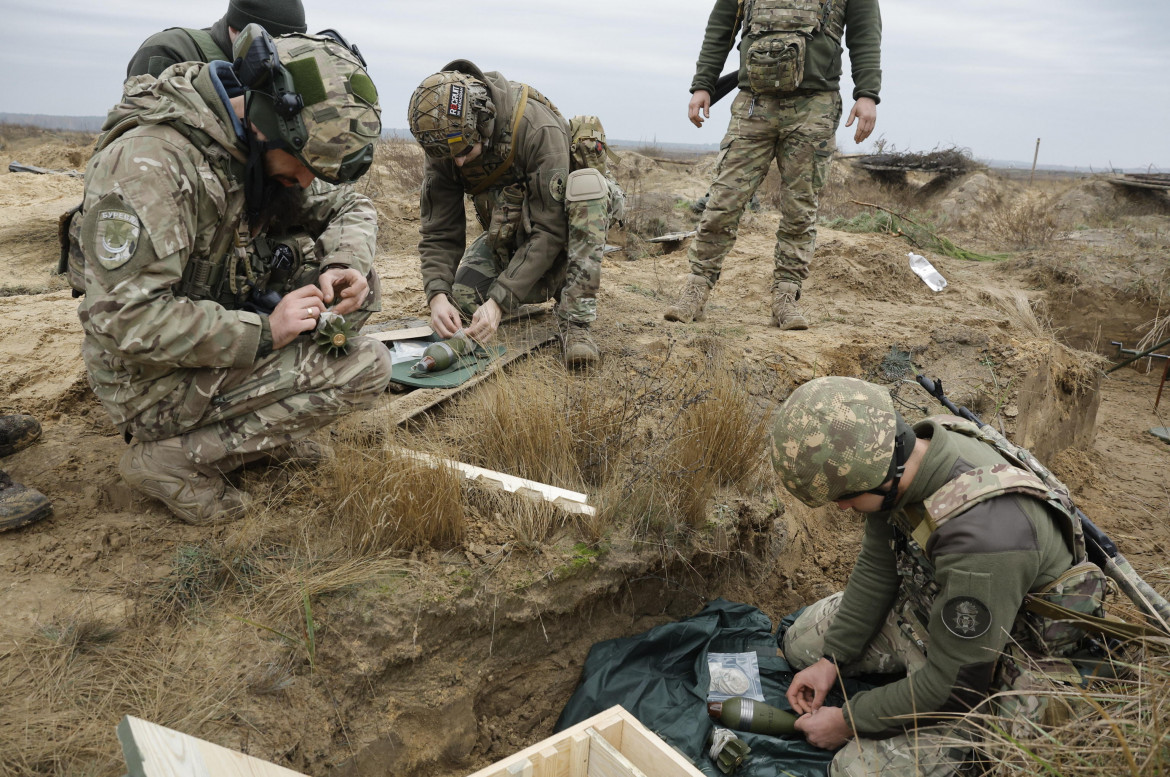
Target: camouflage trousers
x: 929, y: 751
x: 798, y: 131
x: 225, y: 416
x: 574, y: 278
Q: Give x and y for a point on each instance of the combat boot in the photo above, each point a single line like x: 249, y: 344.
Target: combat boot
x: 20, y: 505
x: 305, y: 454
x: 785, y: 314
x: 577, y: 346
x: 691, y: 300
x: 16, y: 432
x: 196, y: 495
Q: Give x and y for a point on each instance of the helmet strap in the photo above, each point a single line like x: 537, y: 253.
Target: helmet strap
x: 259, y: 189
x: 903, y: 446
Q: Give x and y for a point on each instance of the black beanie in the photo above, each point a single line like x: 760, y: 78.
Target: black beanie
x: 278, y: 17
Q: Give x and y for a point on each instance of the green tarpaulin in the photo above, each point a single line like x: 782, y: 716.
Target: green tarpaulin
x: 661, y: 678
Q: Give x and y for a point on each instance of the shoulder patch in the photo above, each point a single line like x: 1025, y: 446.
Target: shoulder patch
x: 557, y: 182
x: 112, y: 232
x: 966, y: 617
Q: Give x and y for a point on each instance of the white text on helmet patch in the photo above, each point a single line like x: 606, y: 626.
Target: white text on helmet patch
x: 455, y: 105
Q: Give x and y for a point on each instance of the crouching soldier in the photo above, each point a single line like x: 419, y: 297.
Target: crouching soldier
x: 959, y: 540
x: 193, y: 317
x: 541, y: 193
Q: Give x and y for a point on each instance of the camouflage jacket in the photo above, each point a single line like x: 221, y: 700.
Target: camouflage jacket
x: 858, y: 21
x: 985, y: 560
x: 174, y: 45
x: 540, y: 167
x: 156, y: 204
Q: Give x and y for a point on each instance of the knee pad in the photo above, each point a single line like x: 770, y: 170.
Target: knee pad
x: 584, y: 185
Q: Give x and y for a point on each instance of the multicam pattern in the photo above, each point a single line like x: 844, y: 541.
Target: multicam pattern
x: 798, y: 132
x: 833, y: 436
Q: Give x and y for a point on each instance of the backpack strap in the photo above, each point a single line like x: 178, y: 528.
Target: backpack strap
x: 507, y: 163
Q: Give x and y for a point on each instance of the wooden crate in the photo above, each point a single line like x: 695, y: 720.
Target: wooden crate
x: 610, y: 744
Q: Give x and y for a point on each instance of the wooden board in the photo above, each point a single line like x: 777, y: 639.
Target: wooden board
x: 412, y: 333
x: 152, y: 750
x: 610, y: 744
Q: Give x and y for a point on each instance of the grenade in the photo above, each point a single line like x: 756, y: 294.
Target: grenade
x: 443, y: 354
x: 744, y: 714
x: 333, y: 333
x: 726, y: 750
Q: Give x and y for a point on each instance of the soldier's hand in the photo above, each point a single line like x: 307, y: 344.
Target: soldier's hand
x: 811, y: 685
x: 297, y: 312
x: 345, y: 284
x: 699, y: 109
x: 444, y: 316
x: 826, y: 728
x: 485, y: 322
x: 865, y: 111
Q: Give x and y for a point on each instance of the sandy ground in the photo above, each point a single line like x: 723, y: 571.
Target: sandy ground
x: 429, y: 675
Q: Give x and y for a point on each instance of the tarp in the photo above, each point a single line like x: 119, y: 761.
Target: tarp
x: 661, y: 678
x: 456, y: 375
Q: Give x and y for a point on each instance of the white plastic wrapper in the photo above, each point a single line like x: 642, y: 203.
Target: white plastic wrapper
x: 734, y: 674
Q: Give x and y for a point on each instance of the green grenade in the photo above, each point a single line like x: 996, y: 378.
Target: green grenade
x: 333, y: 333
x: 442, y: 354
x: 744, y: 714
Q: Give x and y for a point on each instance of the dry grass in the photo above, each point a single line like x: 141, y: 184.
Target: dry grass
x: 1024, y: 314
x: 397, y: 168
x: 1028, y: 222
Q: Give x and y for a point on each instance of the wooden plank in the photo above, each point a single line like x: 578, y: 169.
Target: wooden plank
x: 520, y: 769
x: 579, y: 755
x: 605, y: 760
x: 412, y: 333
x: 152, y: 750
x: 569, y: 501
x: 550, y: 763
x: 607, y: 717
x: 653, y: 756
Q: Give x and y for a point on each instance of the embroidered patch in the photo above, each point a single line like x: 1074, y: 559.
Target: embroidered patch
x: 115, y: 237
x: 455, y: 104
x: 966, y: 617
x: 557, y: 183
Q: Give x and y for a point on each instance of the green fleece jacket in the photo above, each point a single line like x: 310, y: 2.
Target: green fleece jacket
x: 163, y: 49
x: 861, y: 21
x: 995, y: 552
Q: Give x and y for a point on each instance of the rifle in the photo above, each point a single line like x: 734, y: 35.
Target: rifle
x: 1101, y: 549
x: 726, y: 83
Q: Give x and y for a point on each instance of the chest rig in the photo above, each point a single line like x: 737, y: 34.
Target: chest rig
x: 776, y: 35
x: 916, y: 524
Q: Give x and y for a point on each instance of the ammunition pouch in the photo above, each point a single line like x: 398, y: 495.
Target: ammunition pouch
x: 72, y: 261
x: 505, y: 224
x: 775, y: 63
x: 1080, y: 590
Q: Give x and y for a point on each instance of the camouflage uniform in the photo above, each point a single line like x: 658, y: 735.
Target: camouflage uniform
x: 538, y: 243
x: 796, y: 129
x: 165, y: 257
x: 943, y: 611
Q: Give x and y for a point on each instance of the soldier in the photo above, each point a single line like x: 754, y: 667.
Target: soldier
x: 788, y: 110
x: 541, y: 193
x: 193, y: 304
x: 956, y: 535
x: 182, y: 44
x: 19, y: 505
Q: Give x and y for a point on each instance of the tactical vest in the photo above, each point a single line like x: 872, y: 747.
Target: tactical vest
x: 775, y: 38
x: 1081, y: 588
x: 208, y: 49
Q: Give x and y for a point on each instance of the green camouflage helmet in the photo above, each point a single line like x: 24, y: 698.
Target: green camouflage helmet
x: 446, y: 113
x: 834, y: 436
x: 320, y: 105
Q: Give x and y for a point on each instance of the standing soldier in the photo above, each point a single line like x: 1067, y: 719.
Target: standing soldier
x: 540, y: 190
x: 959, y: 541
x: 193, y: 305
x: 787, y: 109
x: 185, y: 44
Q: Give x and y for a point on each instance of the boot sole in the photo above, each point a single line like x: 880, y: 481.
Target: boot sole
x: 40, y: 513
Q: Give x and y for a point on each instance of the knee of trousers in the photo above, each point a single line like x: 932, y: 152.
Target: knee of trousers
x: 364, y: 372
x: 804, y: 642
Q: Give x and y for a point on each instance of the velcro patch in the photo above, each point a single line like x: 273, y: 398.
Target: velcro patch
x: 557, y: 182
x: 966, y: 617
x: 455, y: 104
x: 116, y: 234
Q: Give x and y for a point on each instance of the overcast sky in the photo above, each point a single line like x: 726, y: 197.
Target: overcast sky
x: 1088, y: 77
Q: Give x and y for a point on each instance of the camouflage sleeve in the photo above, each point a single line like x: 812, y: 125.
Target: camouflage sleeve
x: 443, y: 232
x: 869, y: 594
x: 717, y: 42
x: 142, y: 208
x: 546, y: 166
x: 986, y: 560
x: 863, y: 37
x: 344, y: 223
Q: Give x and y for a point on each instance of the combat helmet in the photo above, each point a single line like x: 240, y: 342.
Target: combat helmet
x: 835, y: 438
x: 311, y: 96
x: 449, y: 113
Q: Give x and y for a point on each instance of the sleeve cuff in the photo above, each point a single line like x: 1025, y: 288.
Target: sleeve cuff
x: 504, y: 298
x: 254, y: 324
x: 264, y: 347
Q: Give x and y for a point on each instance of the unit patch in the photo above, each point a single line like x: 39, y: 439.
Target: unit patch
x: 455, y: 104
x: 115, y: 237
x: 557, y: 182
x: 966, y: 617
